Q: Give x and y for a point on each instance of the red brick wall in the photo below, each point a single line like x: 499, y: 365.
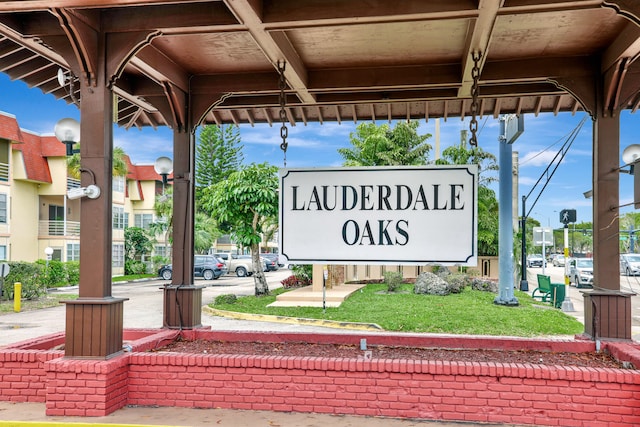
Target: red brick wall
x: 436, y: 390
x: 86, y: 388
x: 23, y: 376
x: 479, y: 392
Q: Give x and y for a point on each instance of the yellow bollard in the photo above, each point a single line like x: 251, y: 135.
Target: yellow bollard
x: 17, y: 296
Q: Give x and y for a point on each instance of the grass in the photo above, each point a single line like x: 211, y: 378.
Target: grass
x: 49, y: 300
x: 470, y: 312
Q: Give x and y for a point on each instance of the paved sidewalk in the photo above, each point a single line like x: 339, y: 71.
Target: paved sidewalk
x: 30, y: 414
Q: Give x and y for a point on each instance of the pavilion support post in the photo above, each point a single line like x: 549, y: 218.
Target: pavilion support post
x: 182, y: 299
x: 94, y: 327
x: 607, y: 310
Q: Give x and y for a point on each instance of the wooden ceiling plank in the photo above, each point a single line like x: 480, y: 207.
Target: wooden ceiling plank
x: 481, y: 30
x: 234, y: 117
x: 373, y: 112
x: 267, y: 116
x: 250, y: 117
x: 338, y: 118
x: 497, y: 108
x: 160, y: 68
x: 303, y: 115
x: 538, y: 106
x: 276, y: 46
x: 426, y: 112
x: 354, y: 114
x: 290, y: 116
x: 319, y: 111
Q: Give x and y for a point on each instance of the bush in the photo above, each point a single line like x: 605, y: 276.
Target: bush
x: 303, y: 271
x: 73, y: 272
x: 393, y: 280
x: 54, y: 274
x: 225, y: 299
x: 30, y: 275
x: 294, y: 281
x: 132, y: 267
x: 457, y: 282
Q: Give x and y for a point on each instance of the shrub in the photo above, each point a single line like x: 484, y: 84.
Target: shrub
x: 225, y: 299
x: 134, y: 267
x: 30, y: 275
x: 294, y: 281
x: 73, y: 272
x: 393, y: 280
x: 457, y: 282
x: 54, y: 274
x: 303, y: 271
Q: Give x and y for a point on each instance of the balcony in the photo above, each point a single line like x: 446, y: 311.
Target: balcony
x: 57, y: 228
x: 4, y: 172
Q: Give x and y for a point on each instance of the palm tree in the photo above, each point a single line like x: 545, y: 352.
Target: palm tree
x: 119, y: 167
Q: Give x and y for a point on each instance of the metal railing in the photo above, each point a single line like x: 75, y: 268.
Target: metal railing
x: 72, y: 183
x: 57, y: 228
x: 4, y: 171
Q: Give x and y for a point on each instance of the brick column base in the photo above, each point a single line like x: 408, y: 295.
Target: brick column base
x: 86, y: 388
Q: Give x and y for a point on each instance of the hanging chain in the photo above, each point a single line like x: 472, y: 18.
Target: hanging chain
x: 475, y: 92
x: 284, y: 131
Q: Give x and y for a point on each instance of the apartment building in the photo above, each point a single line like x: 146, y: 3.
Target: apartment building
x: 35, y: 212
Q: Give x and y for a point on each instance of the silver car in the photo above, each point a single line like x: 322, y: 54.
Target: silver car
x: 581, y: 272
x: 630, y: 264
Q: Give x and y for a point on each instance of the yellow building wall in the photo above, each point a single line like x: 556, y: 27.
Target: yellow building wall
x: 58, y: 169
x: 23, y: 222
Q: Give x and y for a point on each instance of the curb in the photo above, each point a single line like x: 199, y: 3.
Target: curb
x: 292, y: 320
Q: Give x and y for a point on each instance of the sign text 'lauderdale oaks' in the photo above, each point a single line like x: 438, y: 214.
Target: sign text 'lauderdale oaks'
x: 389, y: 215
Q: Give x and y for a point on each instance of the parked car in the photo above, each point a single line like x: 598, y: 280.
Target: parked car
x: 272, y: 261
x: 535, y: 260
x: 558, y: 260
x: 581, y: 272
x: 206, y: 266
x: 241, y: 265
x: 630, y: 264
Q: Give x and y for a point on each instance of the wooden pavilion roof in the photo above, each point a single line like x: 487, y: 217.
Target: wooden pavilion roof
x: 345, y: 60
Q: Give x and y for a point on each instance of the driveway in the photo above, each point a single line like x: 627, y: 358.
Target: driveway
x: 144, y: 309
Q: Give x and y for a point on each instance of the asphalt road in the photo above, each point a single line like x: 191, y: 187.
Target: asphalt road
x: 144, y: 309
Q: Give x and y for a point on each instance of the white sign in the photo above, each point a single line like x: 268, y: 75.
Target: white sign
x: 379, y: 215
x: 542, y: 235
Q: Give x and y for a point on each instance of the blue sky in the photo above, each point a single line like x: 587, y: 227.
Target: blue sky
x: 316, y: 145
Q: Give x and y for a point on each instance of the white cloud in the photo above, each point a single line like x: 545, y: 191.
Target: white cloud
x: 537, y: 158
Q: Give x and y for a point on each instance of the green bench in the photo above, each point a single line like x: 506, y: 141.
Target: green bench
x: 549, y: 292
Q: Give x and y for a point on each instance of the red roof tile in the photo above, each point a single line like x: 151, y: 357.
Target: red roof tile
x: 35, y: 163
x: 9, y: 128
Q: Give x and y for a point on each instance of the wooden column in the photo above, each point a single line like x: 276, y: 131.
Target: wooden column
x: 94, y: 320
x: 606, y: 188
x: 182, y: 299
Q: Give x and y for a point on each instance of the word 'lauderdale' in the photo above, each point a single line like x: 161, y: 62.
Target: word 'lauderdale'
x: 379, y: 197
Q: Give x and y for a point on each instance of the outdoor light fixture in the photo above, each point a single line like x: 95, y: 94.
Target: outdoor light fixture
x: 67, y: 131
x: 163, y: 167
x: 631, y: 156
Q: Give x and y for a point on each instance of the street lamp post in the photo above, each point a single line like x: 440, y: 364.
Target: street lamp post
x: 48, y: 251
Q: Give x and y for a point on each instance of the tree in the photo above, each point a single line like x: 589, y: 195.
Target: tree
x: 119, y: 167
x: 163, y: 225
x: 246, y: 200
x: 205, y: 232
x: 218, y: 154
x: 136, y: 245
x: 488, y: 208
x: 374, y: 145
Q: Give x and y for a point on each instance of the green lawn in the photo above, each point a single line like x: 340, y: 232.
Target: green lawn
x: 49, y: 300
x: 470, y: 312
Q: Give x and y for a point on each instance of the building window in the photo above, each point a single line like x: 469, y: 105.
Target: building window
x: 161, y: 250
x: 142, y: 220
x: 73, y: 251
x: 3, y: 252
x: 118, y: 218
x: 118, y: 184
x: 117, y: 255
x: 3, y: 208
